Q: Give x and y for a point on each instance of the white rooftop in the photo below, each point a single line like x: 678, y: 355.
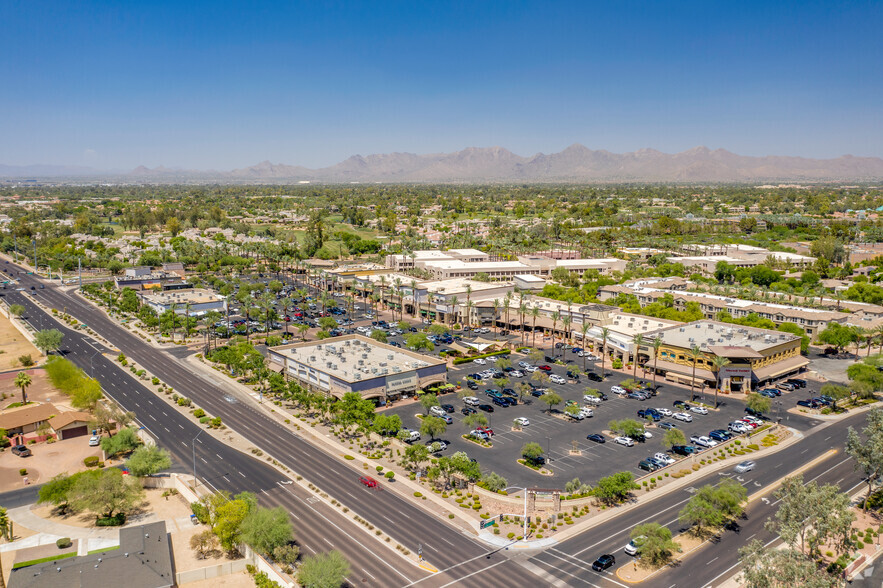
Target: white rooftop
x: 706, y: 333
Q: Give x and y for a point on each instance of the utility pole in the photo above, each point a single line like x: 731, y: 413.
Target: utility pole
x: 80, y: 270
x: 34, y: 241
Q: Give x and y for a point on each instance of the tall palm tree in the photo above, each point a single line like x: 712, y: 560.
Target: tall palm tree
x: 694, y: 354
x: 22, y: 381
x: 455, y: 309
x: 382, y: 288
x: 187, y: 307
x: 718, y: 363
x: 584, y: 329
x: 496, y: 313
x: 469, y: 306
x: 534, y: 314
x: 414, y: 298
x: 556, y: 316
x: 507, y: 302
x: 398, y: 284
x: 880, y: 334
x: 174, y: 309
x: 468, y: 300
x: 638, y: 340
x: 247, y: 307
x: 565, y: 322
x: 605, y: 332
x: 522, y: 308
x: 657, y: 343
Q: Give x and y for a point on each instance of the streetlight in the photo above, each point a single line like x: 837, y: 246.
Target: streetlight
x: 193, y: 446
x: 524, y: 532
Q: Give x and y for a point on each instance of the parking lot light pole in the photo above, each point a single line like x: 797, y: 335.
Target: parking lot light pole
x: 524, y: 532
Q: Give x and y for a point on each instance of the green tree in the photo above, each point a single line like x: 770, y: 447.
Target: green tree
x: 532, y: 451
x: 615, y: 488
x: 16, y: 310
x: 810, y: 515
x: 836, y: 392
x: 57, y: 491
x: 323, y: 570
x: 379, y: 335
x: 354, y: 410
x: 106, y: 493
x: 427, y: 401
x: 22, y: 381
x: 433, y: 427
x: 419, y: 341
x: 712, y: 506
x: 48, y: 340
x: 763, y: 567
x: 386, y: 424
x: 123, y: 442
x: 414, y: 456
x: 265, y: 529
x: 552, y: 399
x: 655, y: 545
x: 867, y: 449
x: 674, y: 437
x: 758, y: 403
x: 839, y: 336
x: 229, y: 517
x: 475, y: 420
x: 794, y: 329
x: 148, y: 460
x: 627, y: 428
x: 494, y: 482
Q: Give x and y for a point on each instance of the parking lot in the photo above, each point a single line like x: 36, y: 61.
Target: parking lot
x: 557, y: 435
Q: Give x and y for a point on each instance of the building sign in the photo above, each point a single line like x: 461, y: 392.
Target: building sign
x: 735, y: 372
x: 397, y: 382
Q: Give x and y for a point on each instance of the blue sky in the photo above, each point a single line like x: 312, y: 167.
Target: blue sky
x: 219, y: 84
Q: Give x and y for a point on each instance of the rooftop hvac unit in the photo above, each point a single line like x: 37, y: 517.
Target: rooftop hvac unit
x: 682, y: 329
x: 720, y: 340
x: 327, y: 364
x: 319, y: 346
x: 373, y: 370
x: 699, y: 326
x: 384, y: 371
x: 361, y: 362
x: 357, y: 376
x: 396, y: 369
x: 382, y: 364
x: 312, y: 359
x: 342, y: 359
x: 692, y: 340
x: 364, y: 356
x: 390, y: 356
x: 334, y: 367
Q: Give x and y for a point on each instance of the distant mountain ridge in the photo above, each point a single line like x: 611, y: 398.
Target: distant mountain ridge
x: 576, y: 163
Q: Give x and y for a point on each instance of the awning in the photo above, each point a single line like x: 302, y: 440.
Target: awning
x: 670, y: 366
x: 782, y: 367
x: 275, y: 367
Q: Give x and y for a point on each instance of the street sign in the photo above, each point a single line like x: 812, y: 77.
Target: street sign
x: 487, y: 523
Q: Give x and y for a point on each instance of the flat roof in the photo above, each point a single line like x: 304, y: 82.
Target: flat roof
x: 467, y: 251
x: 529, y: 278
x: 195, y: 296
x: 354, y: 358
x: 634, y: 324
x: 707, y: 334
x: 478, y: 266
x: 458, y: 285
x: 597, y: 261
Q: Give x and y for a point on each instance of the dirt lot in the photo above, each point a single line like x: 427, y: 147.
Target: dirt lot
x: 40, y: 390
x: 154, y: 508
x: 240, y: 580
x: 48, y: 460
x: 13, y: 345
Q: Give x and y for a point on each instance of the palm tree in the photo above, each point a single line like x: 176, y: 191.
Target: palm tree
x: 382, y: 287
x: 247, y: 306
x: 414, y: 298
x: 468, y: 305
x: 565, y: 322
x: 507, y: 302
x: 455, y: 309
x: 584, y: 329
x: 496, y: 313
x: 657, y: 343
x: 398, y: 283
x: 187, y: 307
x: 694, y: 354
x: 534, y: 314
x: 556, y: 316
x: 22, y: 380
x: 522, y: 308
x: 717, y: 364
x: 639, y: 340
x: 174, y: 309
x: 604, y: 333
x: 880, y: 333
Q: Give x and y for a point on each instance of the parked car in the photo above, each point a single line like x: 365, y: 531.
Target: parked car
x: 556, y: 379
x: 522, y: 421
x: 808, y: 403
x: 703, y: 441
x: 617, y: 390
x: 663, y: 411
x: 681, y: 404
x: 437, y: 411
x: 591, y: 399
x: 647, y: 465
x: 594, y: 377
x: 486, y: 430
x: 796, y: 382
x: 603, y: 562
x: 634, y: 544
x: 471, y: 401
x: 480, y: 435
x: 500, y: 401
x: 720, y: 435
x: 627, y: 441
x: 466, y: 410
x: 21, y: 451
x: 545, y: 368
x: 699, y: 409
x: 683, y: 449
x: 486, y: 407
x: 667, y: 425
x: 596, y: 438
x: 786, y: 386
x: 94, y: 441
x: 479, y: 361
x: 745, y: 466
x: 649, y: 413
x: 666, y: 459
x: 682, y: 416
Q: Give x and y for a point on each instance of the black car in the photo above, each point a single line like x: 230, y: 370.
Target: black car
x: 486, y: 407
x: 720, y: 435
x: 681, y: 404
x: 449, y: 408
x: 594, y: 377
x: 596, y: 438
x: 472, y: 384
x: 603, y: 562
x: 808, y: 403
x: 647, y: 465
x: 797, y: 382
x: 683, y: 449
x: 537, y: 392
x: 499, y: 401
x: 467, y: 410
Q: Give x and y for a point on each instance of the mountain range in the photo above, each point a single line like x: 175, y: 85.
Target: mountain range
x: 575, y: 164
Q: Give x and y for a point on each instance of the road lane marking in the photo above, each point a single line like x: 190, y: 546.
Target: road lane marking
x: 474, y: 573
x: 709, y: 563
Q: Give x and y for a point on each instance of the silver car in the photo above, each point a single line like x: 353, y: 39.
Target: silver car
x: 745, y: 466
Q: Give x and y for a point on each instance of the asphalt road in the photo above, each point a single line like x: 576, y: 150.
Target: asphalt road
x: 570, y: 562
x: 458, y: 556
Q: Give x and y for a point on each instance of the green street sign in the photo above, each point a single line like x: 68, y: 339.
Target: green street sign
x: 487, y: 523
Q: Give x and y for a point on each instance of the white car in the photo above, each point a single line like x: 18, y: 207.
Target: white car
x: 627, y: 441
x: 523, y: 364
x: 479, y: 361
x: 699, y: 409
x: 682, y: 416
x: 587, y: 412
x: 617, y: 390
x: 738, y: 427
x: 703, y: 441
x: 664, y: 458
x: 577, y: 416
x: 522, y: 421
x: 745, y: 466
x: 664, y: 412
x: 492, y: 358
x: 94, y: 441
x: 648, y: 435
x: 556, y: 379
x: 632, y: 547
x: 591, y: 399
x: 516, y: 374
x: 437, y: 411
x: 530, y: 368
x: 471, y: 401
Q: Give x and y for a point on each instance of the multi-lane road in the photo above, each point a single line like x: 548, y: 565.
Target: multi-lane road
x: 461, y: 558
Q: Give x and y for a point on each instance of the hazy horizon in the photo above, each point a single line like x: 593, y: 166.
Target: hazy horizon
x: 215, y: 86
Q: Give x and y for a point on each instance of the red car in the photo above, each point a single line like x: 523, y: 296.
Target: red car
x: 487, y: 430
x: 368, y: 481
x: 545, y: 368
